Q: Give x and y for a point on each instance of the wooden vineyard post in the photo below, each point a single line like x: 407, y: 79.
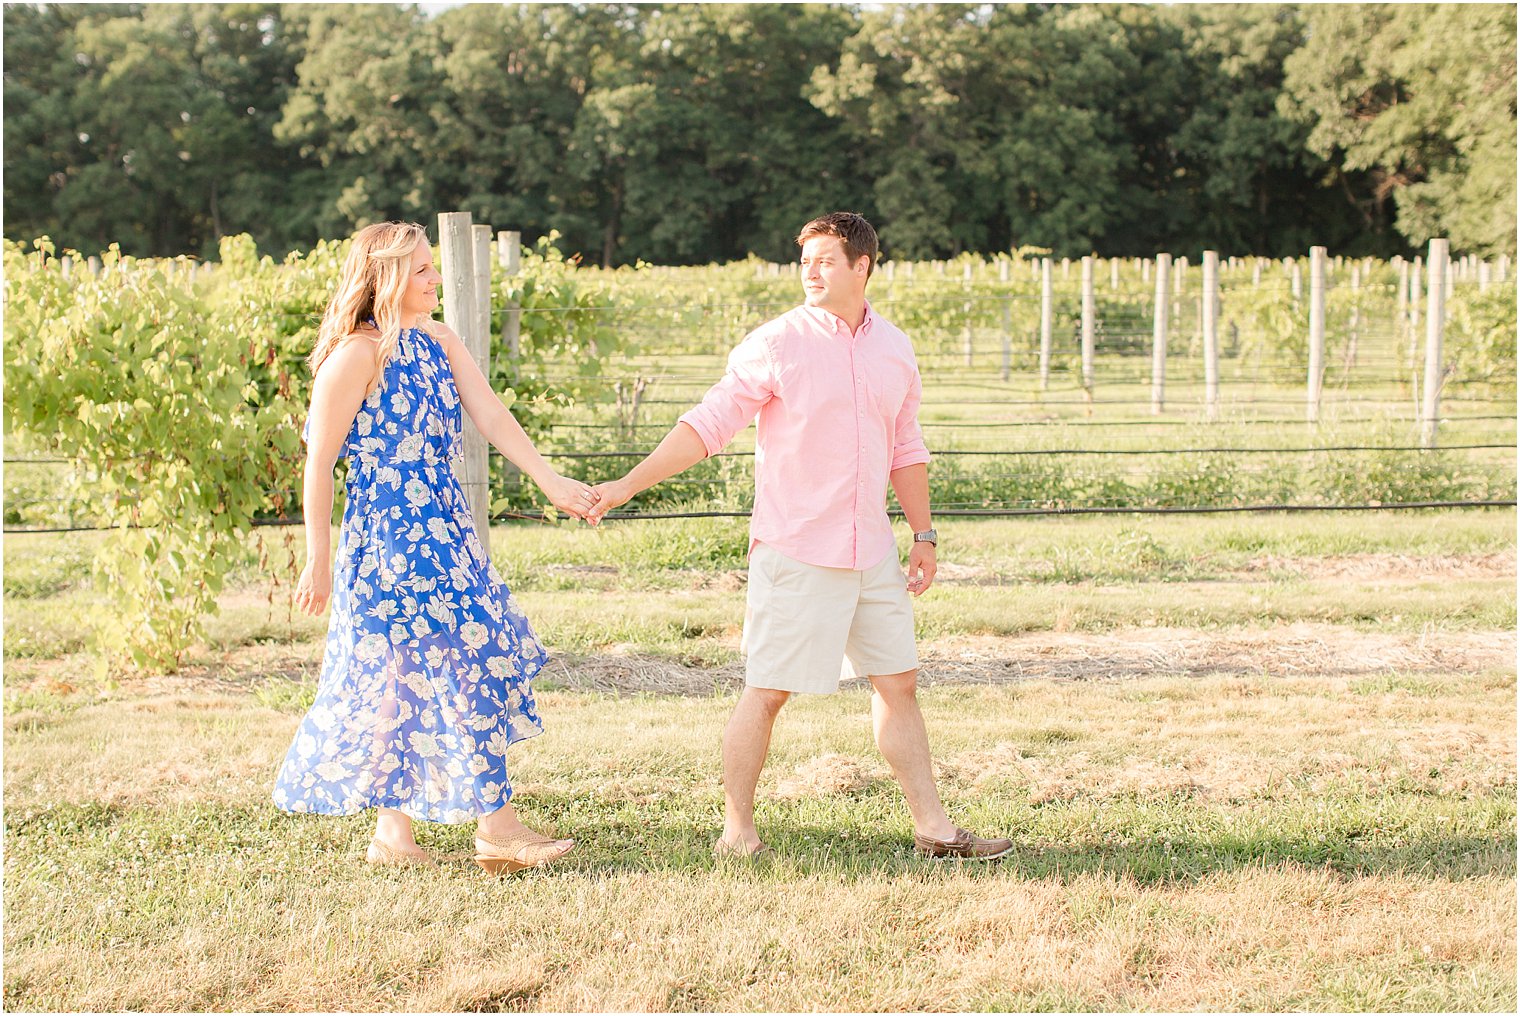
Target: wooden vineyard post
x: 1436, y: 272
x: 1007, y: 336
x: 966, y: 341
x: 1089, y: 324
x: 509, y: 254
x: 1210, y: 298
x: 1416, y: 287
x: 1047, y: 318
x: 456, y: 238
x: 1316, y: 329
x: 1401, y: 296
x: 1354, y: 323
x: 1158, y: 334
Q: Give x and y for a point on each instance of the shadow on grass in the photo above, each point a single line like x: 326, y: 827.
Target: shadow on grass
x: 810, y: 850
x: 629, y: 841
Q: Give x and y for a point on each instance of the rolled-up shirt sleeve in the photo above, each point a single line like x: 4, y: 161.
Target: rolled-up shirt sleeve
x: 908, y: 448
x: 728, y: 407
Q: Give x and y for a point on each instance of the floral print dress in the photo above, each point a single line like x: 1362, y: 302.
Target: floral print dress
x: 426, y: 676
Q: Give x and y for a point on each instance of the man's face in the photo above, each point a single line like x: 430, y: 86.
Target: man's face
x: 829, y: 280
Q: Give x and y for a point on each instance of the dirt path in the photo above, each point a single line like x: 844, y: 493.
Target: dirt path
x: 1139, y: 652
x: 1286, y: 650
x: 1387, y: 569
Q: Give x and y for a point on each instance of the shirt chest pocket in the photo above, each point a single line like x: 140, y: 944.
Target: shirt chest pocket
x: 889, y: 387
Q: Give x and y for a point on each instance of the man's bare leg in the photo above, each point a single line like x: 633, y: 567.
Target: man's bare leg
x: 901, y: 737
x: 746, y: 740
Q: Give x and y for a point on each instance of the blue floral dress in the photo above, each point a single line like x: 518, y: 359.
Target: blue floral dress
x: 426, y: 677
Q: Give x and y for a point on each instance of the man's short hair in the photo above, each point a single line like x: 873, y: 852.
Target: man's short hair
x: 857, y: 235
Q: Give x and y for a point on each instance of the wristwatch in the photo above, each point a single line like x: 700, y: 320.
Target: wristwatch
x: 927, y: 536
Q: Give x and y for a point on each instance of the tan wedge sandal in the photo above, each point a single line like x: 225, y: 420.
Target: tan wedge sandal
x: 514, y: 853
x: 382, y: 856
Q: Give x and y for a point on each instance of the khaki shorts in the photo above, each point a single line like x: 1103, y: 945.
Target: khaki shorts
x: 807, y: 627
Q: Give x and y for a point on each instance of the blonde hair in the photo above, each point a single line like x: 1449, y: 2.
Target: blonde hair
x: 370, y: 288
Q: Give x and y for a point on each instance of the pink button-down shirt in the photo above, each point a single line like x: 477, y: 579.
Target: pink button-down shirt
x: 838, y: 413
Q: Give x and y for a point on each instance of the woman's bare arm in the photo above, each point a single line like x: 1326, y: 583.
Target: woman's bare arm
x: 502, y: 430
x: 337, y: 392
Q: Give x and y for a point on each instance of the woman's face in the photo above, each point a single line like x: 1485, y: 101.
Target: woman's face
x: 421, y: 296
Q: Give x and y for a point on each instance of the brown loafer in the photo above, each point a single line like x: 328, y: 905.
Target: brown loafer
x: 964, y: 847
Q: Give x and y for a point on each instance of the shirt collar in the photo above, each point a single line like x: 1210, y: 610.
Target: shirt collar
x: 835, y: 323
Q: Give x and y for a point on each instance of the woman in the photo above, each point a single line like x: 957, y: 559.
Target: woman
x: 426, y: 678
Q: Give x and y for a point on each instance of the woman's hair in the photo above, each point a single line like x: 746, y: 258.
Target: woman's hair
x: 370, y: 288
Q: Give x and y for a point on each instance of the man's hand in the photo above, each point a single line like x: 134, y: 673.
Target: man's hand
x: 921, y: 568
x: 609, y: 495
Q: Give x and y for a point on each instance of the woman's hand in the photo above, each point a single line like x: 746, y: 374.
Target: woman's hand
x: 570, y: 496
x: 314, y: 587
x: 609, y: 495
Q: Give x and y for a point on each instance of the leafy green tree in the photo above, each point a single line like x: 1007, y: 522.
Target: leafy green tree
x: 363, y: 115
x: 906, y: 87
x: 515, y: 78
x: 144, y: 125
x: 703, y: 132
x: 1254, y: 184
x: 698, y: 136
x: 45, y: 140
x: 1421, y: 98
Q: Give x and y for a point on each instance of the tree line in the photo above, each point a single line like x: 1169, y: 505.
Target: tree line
x: 690, y: 133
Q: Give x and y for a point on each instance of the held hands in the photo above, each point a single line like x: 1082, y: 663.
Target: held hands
x: 609, y: 496
x: 313, y: 588
x: 921, y: 568
x: 590, y: 504
x: 570, y: 496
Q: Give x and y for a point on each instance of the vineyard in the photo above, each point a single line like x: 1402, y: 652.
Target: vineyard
x: 163, y: 399
x: 1098, y: 668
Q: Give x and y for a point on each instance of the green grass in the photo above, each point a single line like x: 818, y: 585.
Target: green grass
x: 152, y: 872
x: 1282, y: 831
x: 1019, y: 575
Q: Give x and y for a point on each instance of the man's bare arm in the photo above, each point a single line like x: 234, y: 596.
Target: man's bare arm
x: 681, y: 449
x: 911, y: 484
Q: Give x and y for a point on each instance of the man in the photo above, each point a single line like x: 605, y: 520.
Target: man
x: 837, y: 390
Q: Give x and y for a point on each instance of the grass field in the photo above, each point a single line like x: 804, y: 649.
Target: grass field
x: 1261, y: 762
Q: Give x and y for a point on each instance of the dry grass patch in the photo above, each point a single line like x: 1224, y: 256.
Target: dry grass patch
x: 829, y: 775
x: 1300, y: 817
x: 1386, y: 567
x: 961, y: 659
x: 736, y: 940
